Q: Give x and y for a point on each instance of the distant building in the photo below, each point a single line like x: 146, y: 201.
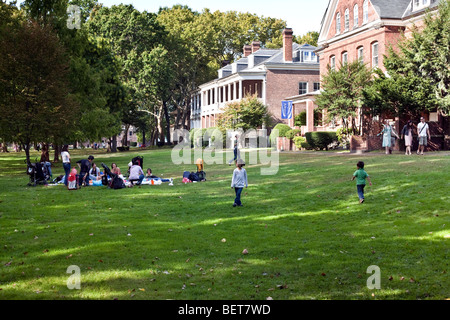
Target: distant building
x: 363, y: 30
x: 270, y: 74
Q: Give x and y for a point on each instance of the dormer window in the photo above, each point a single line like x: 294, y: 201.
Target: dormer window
x: 308, y: 56
x: 420, y: 4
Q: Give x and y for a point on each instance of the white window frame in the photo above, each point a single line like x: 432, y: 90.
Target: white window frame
x: 366, y: 12
x: 355, y: 16
x: 344, y: 57
x: 302, y: 89
x: 346, y: 20
x: 375, y: 55
x: 360, y: 54
x: 338, y: 23
x: 333, y: 62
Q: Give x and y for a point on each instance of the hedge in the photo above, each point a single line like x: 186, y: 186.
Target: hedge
x: 282, y: 130
x: 320, y: 140
x: 291, y: 134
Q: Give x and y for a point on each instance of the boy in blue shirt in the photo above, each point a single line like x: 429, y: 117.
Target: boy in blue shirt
x: 360, y: 175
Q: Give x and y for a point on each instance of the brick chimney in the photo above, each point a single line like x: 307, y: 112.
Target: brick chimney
x: 247, y: 50
x: 287, y: 44
x: 256, y: 45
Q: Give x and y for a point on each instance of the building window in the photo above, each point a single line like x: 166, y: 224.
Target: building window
x: 375, y: 55
x: 344, y: 58
x: 303, y: 87
x: 338, y: 23
x: 346, y: 20
x: 361, y: 54
x: 306, y: 56
x: 366, y: 11
x: 313, y: 56
x: 316, y: 86
x: 333, y: 63
x: 355, y: 16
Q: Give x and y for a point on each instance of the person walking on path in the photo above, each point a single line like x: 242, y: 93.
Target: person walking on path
x: 387, y: 135
x: 423, y: 131
x: 407, y: 134
x: 239, y: 181
x: 361, y: 175
x: 236, y: 151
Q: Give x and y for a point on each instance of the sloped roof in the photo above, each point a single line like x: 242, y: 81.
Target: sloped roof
x: 391, y: 9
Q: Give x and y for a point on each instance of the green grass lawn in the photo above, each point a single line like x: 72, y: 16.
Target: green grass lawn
x: 306, y: 233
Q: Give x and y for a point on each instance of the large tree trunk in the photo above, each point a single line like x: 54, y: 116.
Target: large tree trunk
x: 27, y: 152
x: 114, y: 144
x: 57, y: 153
x: 5, y: 147
x: 125, y: 136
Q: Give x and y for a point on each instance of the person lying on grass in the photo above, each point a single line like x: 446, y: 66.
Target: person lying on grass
x: 151, y: 176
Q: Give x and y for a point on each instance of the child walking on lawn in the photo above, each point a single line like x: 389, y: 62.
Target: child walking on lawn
x: 239, y: 181
x: 360, y: 175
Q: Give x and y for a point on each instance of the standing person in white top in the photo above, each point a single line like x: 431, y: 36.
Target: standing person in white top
x: 423, y: 131
x: 239, y: 181
x: 66, y: 162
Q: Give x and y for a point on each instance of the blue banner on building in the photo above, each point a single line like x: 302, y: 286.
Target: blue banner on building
x: 286, y: 110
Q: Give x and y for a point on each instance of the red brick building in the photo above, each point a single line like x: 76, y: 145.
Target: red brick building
x: 271, y: 74
x: 362, y: 30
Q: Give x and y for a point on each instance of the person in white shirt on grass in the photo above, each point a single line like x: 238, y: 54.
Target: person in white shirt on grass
x: 423, y: 131
x: 239, y: 181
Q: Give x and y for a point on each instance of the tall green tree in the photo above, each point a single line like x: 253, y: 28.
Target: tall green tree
x: 249, y: 113
x: 343, y: 92
x: 310, y: 37
x: 419, y: 66
x: 131, y: 35
x: 34, y: 86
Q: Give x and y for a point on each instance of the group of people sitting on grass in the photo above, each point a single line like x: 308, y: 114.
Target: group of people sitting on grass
x: 91, y: 175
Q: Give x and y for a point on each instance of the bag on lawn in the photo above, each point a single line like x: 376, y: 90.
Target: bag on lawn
x: 117, y: 183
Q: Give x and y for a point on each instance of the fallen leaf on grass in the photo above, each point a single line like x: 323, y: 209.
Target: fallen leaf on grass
x: 69, y: 256
x: 141, y: 289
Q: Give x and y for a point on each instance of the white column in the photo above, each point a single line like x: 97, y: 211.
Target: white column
x: 229, y: 92
x: 240, y: 89
x: 234, y: 90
